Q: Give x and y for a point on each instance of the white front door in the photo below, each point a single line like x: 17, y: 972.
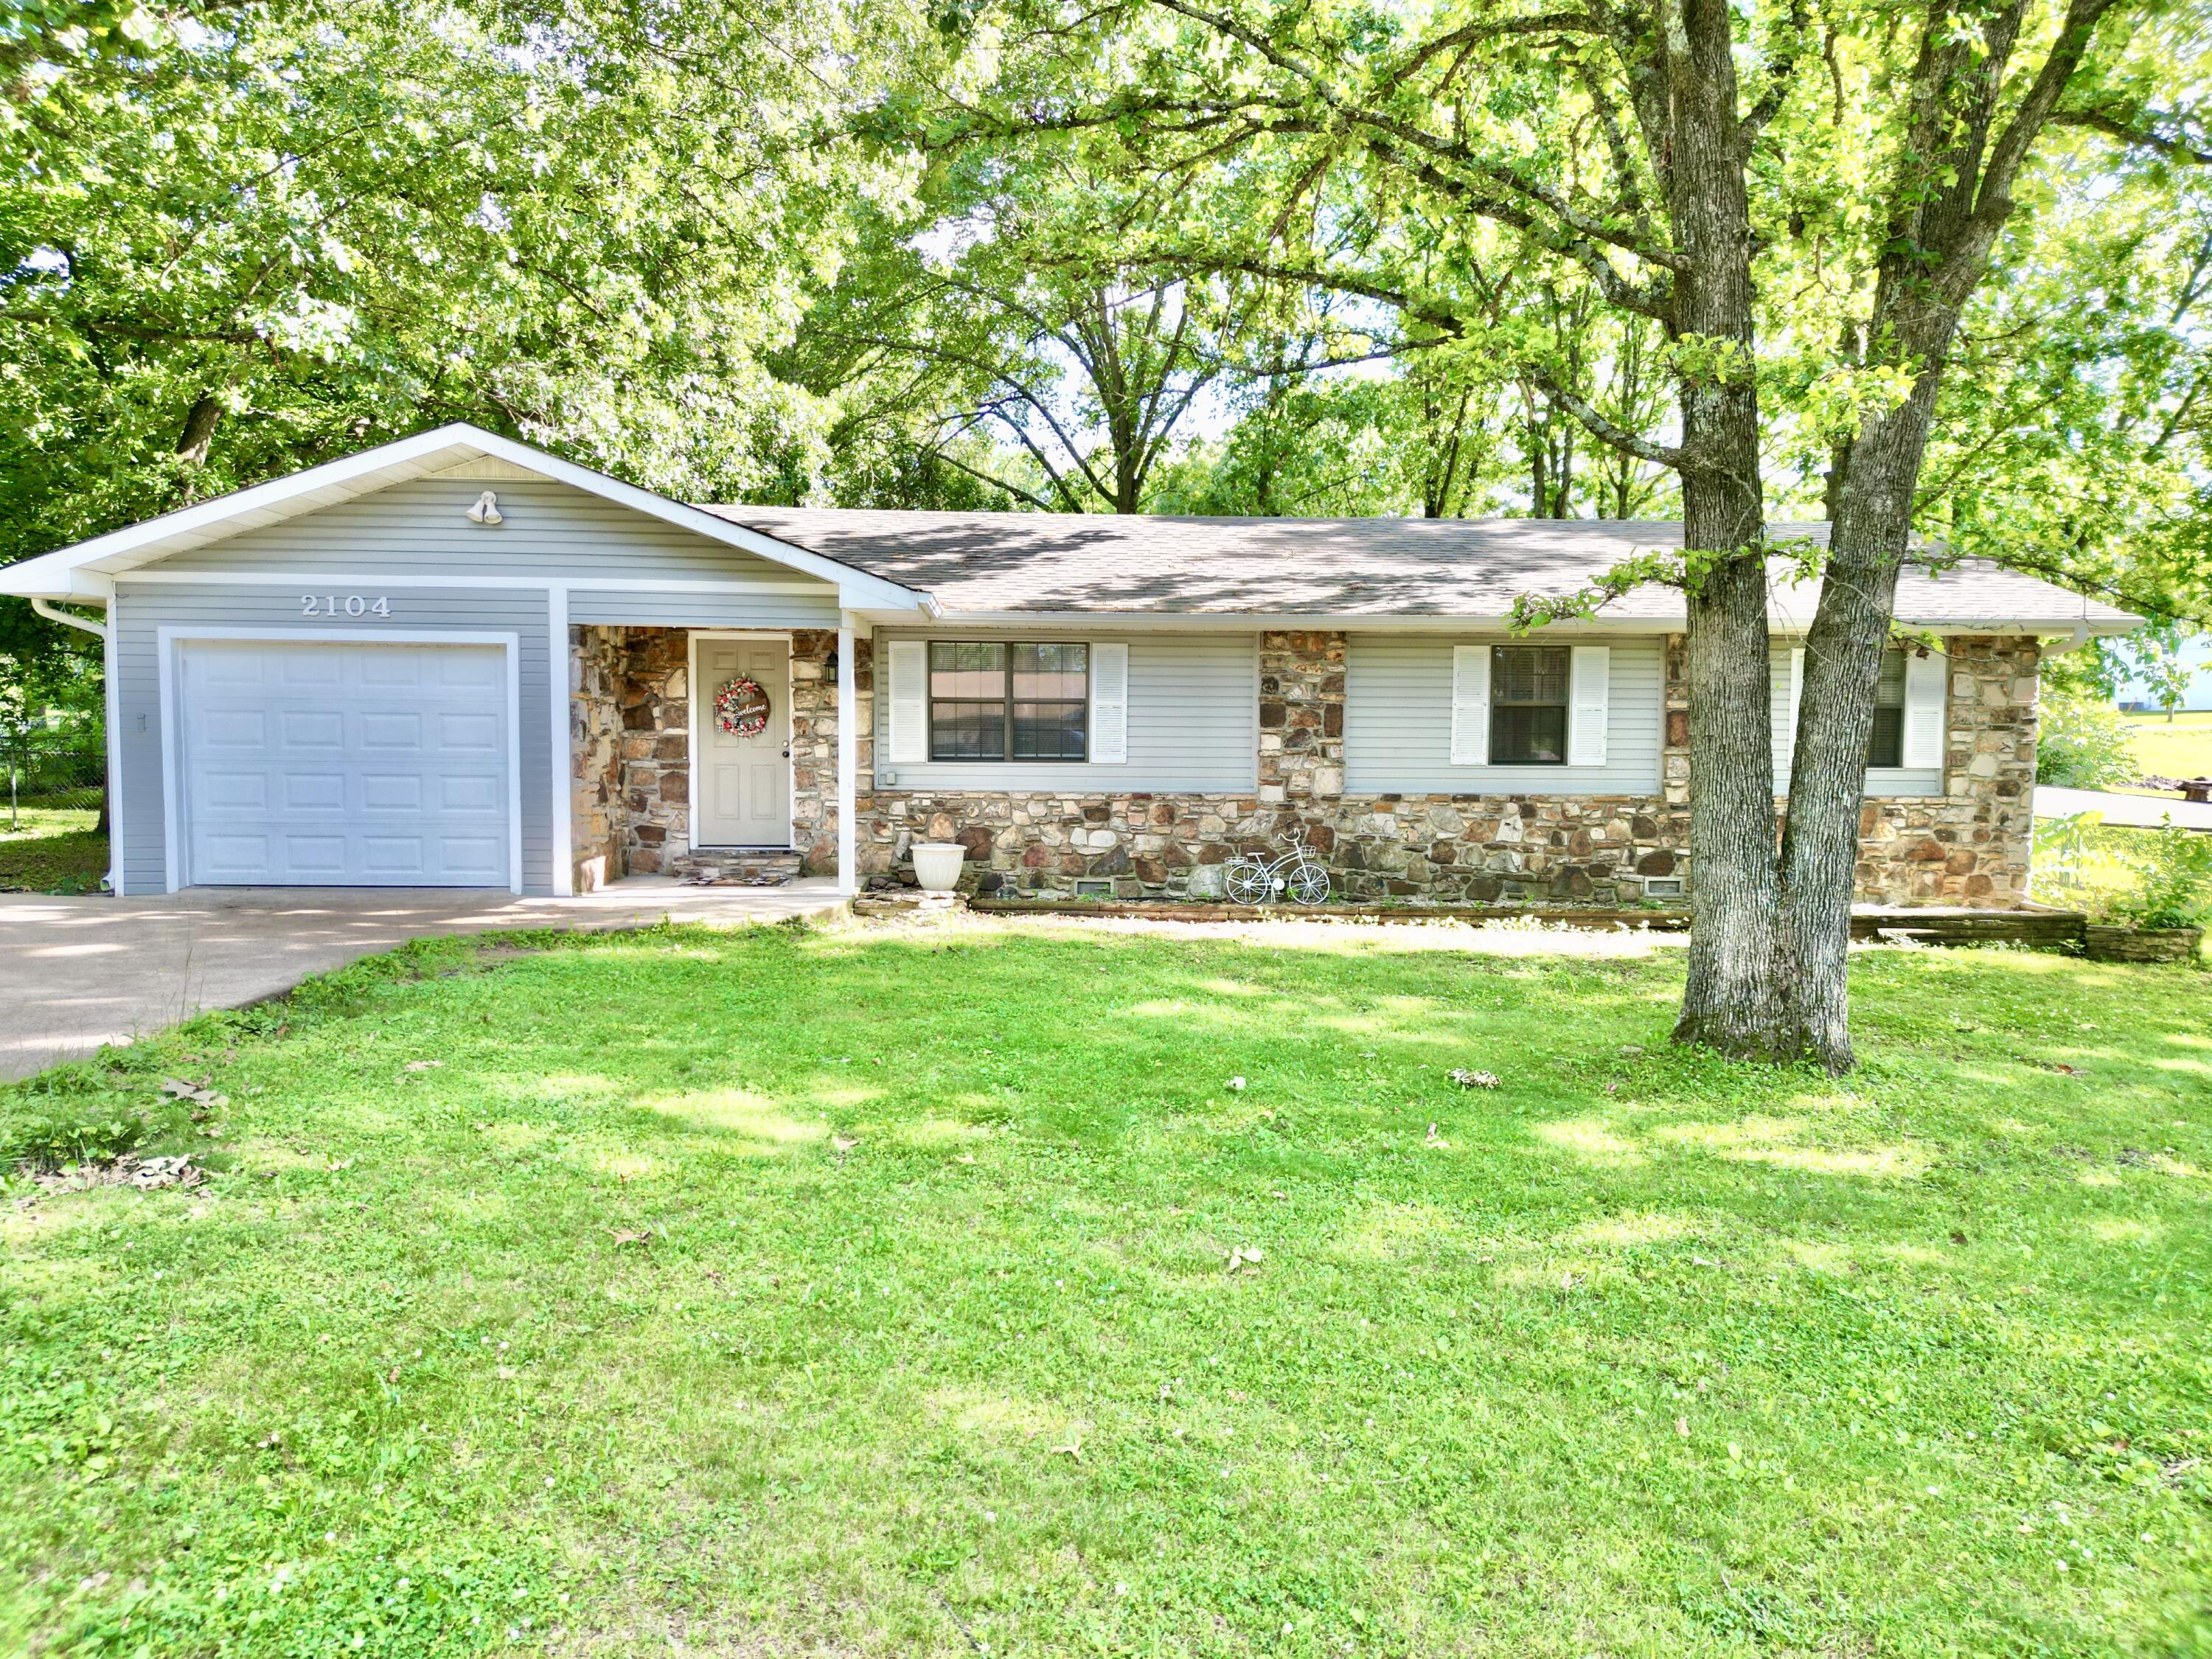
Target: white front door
x: 743, y: 785
x: 314, y: 762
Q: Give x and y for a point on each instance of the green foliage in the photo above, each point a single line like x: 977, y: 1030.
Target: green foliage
x: 677, y: 1299
x: 48, y: 1129
x: 2175, y: 879
x: 2082, y: 742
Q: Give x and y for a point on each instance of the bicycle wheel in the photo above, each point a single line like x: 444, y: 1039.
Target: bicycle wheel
x: 1247, y: 882
x: 1309, y: 885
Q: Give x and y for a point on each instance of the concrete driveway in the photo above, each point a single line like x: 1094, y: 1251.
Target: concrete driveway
x: 76, y: 973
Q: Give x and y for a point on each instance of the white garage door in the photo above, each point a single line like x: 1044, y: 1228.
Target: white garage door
x: 328, y: 764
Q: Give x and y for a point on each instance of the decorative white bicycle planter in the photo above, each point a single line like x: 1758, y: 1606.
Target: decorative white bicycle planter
x: 1295, y: 876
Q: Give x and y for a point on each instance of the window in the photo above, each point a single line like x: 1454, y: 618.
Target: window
x: 993, y: 701
x: 1528, y: 705
x: 1887, y: 747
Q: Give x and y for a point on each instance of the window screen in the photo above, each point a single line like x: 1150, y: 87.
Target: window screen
x: 990, y: 701
x: 1887, y: 745
x: 1527, y: 705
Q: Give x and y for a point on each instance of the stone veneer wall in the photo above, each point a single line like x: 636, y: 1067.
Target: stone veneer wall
x: 630, y: 750
x: 596, y: 817
x: 1970, y: 845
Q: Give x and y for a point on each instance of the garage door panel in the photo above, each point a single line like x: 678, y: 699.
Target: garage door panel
x: 303, y: 730
x: 462, y: 858
x: 335, y: 763
x: 394, y: 792
x: 317, y: 860
x: 307, y: 792
x: 227, y: 855
x: 469, y: 735
x: 237, y: 728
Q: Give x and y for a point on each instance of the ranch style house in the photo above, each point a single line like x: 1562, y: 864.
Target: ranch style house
x: 458, y: 660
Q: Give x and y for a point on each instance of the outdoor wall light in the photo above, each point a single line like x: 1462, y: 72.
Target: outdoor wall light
x: 486, y: 511
x: 829, y: 667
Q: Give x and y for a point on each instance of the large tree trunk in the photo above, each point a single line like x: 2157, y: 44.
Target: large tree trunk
x: 1939, y: 241
x: 1731, y: 1002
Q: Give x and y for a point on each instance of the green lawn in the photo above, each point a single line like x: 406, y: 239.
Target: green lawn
x: 867, y: 1292
x: 51, y: 849
x: 2181, y: 748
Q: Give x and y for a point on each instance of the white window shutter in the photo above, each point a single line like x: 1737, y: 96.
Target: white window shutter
x: 1110, y: 704
x: 1470, y: 710
x: 1785, y: 740
x: 908, y: 717
x: 1927, y: 680
x: 1589, y: 704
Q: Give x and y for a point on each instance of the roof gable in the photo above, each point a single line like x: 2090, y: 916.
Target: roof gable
x: 86, y: 570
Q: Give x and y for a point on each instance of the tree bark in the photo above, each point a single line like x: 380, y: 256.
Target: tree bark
x: 1941, y: 236
x: 199, y: 435
x: 1731, y: 1002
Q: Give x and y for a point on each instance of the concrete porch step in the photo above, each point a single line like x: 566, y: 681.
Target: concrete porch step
x: 735, y: 867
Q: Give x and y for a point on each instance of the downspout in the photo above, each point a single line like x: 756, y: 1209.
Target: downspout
x: 45, y: 608
x: 105, y: 633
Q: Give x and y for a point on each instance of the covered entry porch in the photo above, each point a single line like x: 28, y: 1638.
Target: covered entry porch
x: 663, y: 782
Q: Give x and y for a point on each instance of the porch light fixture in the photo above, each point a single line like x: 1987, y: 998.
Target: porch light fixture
x: 829, y: 667
x: 486, y: 511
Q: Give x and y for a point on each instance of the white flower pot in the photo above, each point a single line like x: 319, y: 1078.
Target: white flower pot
x: 937, y: 864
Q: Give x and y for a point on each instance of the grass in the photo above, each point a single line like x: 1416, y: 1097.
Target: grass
x: 866, y: 1292
x: 53, y: 849
x: 2181, y: 748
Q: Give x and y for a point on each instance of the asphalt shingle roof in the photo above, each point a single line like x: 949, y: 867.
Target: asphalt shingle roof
x: 1349, y: 568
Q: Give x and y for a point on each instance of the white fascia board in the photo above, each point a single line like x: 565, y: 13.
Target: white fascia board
x: 1246, y: 621
x: 208, y: 520
x: 60, y: 574
x: 1369, y: 622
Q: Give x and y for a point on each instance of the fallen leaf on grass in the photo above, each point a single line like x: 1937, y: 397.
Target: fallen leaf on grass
x: 842, y: 1144
x: 337, y: 1165
x: 145, y: 1174
x: 1435, y: 1140
x: 1245, y: 1255
x: 1467, y: 1079
x: 1073, y: 1449
x: 1682, y: 1427
x: 176, y: 1088
x: 622, y: 1238
x: 422, y: 1065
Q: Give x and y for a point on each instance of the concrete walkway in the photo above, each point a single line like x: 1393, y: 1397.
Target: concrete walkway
x: 76, y: 973
x: 2144, y: 810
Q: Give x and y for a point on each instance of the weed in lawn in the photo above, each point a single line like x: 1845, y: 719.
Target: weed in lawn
x: 917, y: 1291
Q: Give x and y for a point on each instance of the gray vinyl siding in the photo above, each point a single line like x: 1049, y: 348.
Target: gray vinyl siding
x: 1880, y: 780
x: 1397, y: 722
x: 549, y: 531
x: 703, y: 610
x: 1194, y: 721
x: 143, y: 611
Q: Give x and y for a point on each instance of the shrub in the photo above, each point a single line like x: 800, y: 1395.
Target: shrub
x: 2174, y: 880
x: 2082, y: 743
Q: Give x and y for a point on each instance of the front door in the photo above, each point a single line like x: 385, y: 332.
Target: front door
x: 743, y: 784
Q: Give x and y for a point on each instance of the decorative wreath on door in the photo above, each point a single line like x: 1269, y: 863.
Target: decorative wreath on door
x: 741, y: 708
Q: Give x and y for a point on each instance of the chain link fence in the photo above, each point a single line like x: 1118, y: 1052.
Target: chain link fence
x: 51, y: 776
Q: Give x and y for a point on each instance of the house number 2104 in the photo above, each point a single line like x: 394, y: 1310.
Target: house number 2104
x: 348, y: 604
